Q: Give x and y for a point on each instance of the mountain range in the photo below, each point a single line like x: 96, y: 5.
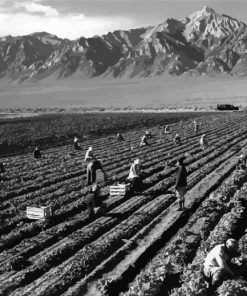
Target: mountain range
x: 205, y: 43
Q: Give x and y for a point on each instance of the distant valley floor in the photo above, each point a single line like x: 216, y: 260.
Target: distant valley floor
x: 165, y: 91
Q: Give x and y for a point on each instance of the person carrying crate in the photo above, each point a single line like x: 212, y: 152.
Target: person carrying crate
x: 135, y: 177
x: 95, y: 202
x: 36, y: 153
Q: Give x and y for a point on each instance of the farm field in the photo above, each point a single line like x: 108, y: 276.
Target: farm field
x: 142, y: 245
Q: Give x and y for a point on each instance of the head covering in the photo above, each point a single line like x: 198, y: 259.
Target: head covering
x: 181, y: 159
x: 95, y: 187
x: 90, y: 148
x: 36, y: 148
x: 75, y: 139
x: 241, y: 156
x: 232, y: 244
x: 137, y: 161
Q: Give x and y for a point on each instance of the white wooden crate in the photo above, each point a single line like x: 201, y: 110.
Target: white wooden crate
x: 120, y: 189
x: 39, y: 213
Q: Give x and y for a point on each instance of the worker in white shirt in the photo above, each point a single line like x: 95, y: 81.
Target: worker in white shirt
x: 89, y: 155
x: 177, y: 139
x: 203, y: 142
x: 135, y: 177
x: 217, y: 265
x: 144, y: 141
x: 76, y: 144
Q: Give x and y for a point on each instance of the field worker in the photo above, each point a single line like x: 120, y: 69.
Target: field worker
x: 144, y: 141
x: 181, y: 182
x: 120, y: 137
x: 203, y: 142
x: 148, y: 134
x: 92, y: 168
x: 167, y: 129
x: 217, y: 265
x: 177, y: 139
x: 36, y: 153
x: 195, y: 127
x: 95, y: 201
x: 76, y: 144
x: 241, y: 164
x: 89, y: 155
x: 2, y: 171
x: 135, y: 177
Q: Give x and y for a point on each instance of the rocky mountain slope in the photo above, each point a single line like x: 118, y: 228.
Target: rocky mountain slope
x: 205, y: 43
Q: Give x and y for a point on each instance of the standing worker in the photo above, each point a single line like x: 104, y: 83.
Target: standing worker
x: 181, y: 182
x: 217, y: 265
x: 2, y: 171
x: 135, y: 177
x: 36, y: 153
x: 203, y: 142
x: 76, y: 144
x: 195, y: 127
x: 89, y: 155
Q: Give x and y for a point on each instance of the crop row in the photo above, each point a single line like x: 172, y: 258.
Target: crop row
x: 101, y: 248
x: 232, y: 224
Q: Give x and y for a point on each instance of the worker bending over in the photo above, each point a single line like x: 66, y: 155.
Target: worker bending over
x: 217, y: 265
x: 94, y: 164
x: 144, y: 141
x: 36, y: 153
x: 177, y: 139
x: 135, y: 177
x: 76, y: 144
x: 203, y: 142
x: 120, y: 137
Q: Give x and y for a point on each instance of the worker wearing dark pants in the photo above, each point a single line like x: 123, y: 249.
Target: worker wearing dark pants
x: 95, y: 201
x: 92, y: 167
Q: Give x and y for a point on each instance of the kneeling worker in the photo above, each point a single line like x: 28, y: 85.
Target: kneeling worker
x: 217, y: 266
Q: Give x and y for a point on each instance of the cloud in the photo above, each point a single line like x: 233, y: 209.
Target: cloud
x: 71, y: 26
x: 36, y: 7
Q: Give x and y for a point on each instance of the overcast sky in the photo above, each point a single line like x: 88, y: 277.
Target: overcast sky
x: 76, y: 18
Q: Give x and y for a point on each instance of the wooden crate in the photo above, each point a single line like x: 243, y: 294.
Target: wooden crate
x: 120, y: 189
x: 39, y: 213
